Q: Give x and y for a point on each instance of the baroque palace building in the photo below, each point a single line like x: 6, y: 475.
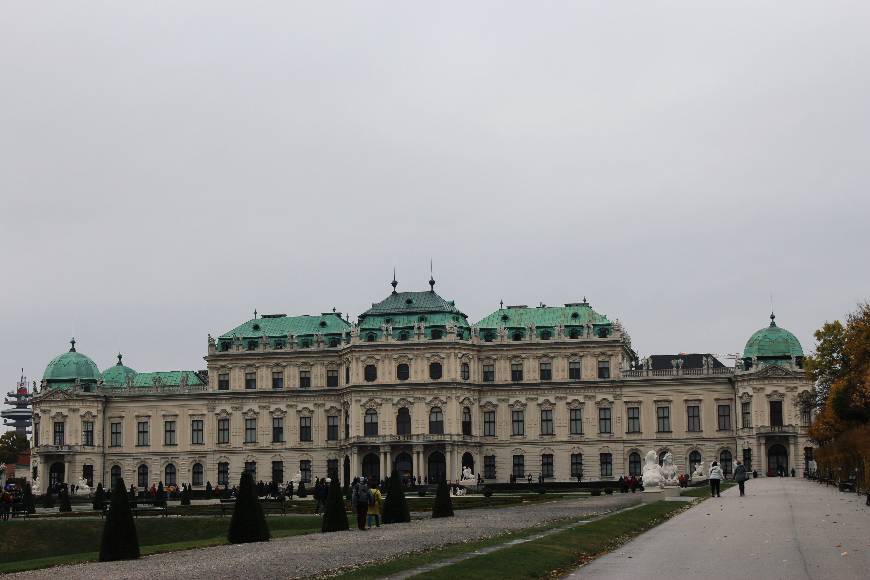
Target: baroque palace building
x: 544, y: 391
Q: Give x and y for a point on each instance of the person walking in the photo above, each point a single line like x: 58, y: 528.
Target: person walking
x: 360, y: 499
x: 740, y: 476
x: 715, y: 479
x: 375, y: 508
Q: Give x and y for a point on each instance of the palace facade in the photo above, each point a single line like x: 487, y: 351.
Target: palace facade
x: 544, y: 391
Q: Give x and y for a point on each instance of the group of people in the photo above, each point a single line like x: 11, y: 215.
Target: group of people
x: 366, y: 502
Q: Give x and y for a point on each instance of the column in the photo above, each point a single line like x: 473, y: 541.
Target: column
x: 388, y: 456
x: 354, y: 463
x: 67, y: 474
x: 448, y: 459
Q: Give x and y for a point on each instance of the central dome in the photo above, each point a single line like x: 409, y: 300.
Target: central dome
x: 772, y: 342
x: 69, y: 367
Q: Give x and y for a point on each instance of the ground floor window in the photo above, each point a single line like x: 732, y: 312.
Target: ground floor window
x: 223, y: 475
x: 305, y: 470
x: 332, y: 468
x: 197, y: 474
x: 576, y: 465
x: 519, y: 466
x: 727, y: 462
x: 88, y: 474
x: 169, y: 474
x: 277, y: 472
x: 116, y: 474
x: 251, y: 467
x: 606, y: 465
x: 489, y: 466
x: 547, y: 465
x: 634, y: 464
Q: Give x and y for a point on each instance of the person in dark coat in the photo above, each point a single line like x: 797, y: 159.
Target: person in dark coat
x: 740, y: 476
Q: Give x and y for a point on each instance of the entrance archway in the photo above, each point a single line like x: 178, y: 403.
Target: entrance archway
x: 404, y: 465
x: 468, y: 461
x: 777, y: 460
x: 56, y: 474
x: 371, y: 467
x: 437, y: 467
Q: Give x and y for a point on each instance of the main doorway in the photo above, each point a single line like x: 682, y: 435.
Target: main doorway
x: 404, y: 465
x: 371, y: 468
x: 777, y: 460
x: 55, y: 474
x: 437, y: 467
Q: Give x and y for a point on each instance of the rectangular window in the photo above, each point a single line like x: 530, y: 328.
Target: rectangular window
x: 776, y: 413
x: 250, y: 430
x: 197, y: 432
x: 223, y: 430
x: 519, y: 466
x: 488, y: 373
x: 277, y: 379
x: 251, y: 467
x: 604, y: 369
x: 489, y: 466
x: 806, y: 415
x: 250, y: 380
x: 574, y: 370
x: 605, y: 420
x: 575, y: 420
x: 546, y: 371
x: 223, y: 474
x: 305, y: 379
x: 305, y: 470
x: 277, y: 429
x: 518, y: 423
x: 547, y: 465
x: 332, y: 428
x: 746, y: 414
x: 277, y: 472
x: 465, y: 371
x: 489, y: 423
x: 88, y: 474
x: 332, y: 468
x: 116, y: 439
x: 517, y: 371
x: 347, y: 375
x: 693, y: 418
x: 305, y: 428
x: 576, y: 466
x: 59, y: 427
x: 724, y: 415
x: 606, y: 465
x: 331, y: 377
x: 169, y: 433
x: 88, y: 433
x: 142, y: 433
x: 747, y: 459
x: 223, y: 381
x: 663, y: 419
x: 546, y: 421
x: 633, y: 419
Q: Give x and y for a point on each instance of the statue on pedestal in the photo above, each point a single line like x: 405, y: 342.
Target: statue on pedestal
x: 699, y: 474
x: 467, y: 475
x: 669, y: 470
x: 652, y: 472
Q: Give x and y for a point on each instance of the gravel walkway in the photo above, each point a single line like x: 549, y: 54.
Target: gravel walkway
x: 314, y: 554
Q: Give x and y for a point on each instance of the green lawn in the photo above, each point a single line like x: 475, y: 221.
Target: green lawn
x: 26, y: 544
x: 704, y: 490
x: 562, y: 551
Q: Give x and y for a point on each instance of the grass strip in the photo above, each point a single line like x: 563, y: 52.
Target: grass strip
x: 562, y: 551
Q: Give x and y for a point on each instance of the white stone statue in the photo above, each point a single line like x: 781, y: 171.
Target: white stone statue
x: 699, y: 472
x: 82, y: 487
x: 36, y: 486
x: 669, y: 470
x: 652, y: 471
x: 467, y: 475
x: 2, y: 476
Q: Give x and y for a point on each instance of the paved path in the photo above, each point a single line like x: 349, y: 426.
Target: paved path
x: 314, y: 554
x: 784, y: 528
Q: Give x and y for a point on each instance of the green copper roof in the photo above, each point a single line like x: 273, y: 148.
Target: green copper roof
x: 552, y: 316
x: 69, y: 366
x: 281, y: 325
x: 772, y: 342
x: 412, y: 303
x: 116, y: 375
x: 166, y: 378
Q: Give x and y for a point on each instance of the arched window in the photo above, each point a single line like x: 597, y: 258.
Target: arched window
x: 466, y: 421
x: 403, y: 335
x: 574, y: 333
x: 437, y: 333
x: 725, y: 461
x: 370, y: 373
x: 436, y: 421
x: 403, y: 372
x: 197, y: 474
x: 488, y: 336
x: 545, y: 335
x: 403, y: 421
x: 464, y: 371
x: 370, y: 423
x: 116, y: 474
x: 435, y: 371
x: 517, y: 335
x: 602, y: 333
x: 634, y: 464
x: 370, y: 337
x: 169, y: 478
x: 142, y: 476
x: 694, y: 460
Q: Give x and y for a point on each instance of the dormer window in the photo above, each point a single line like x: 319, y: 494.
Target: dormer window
x: 225, y: 345
x: 574, y: 333
x: 517, y: 336
x: 279, y: 344
x: 256, y: 326
x: 436, y: 333
x: 505, y: 317
x: 306, y: 343
x: 575, y: 315
x: 408, y: 301
x: 488, y: 337
x: 422, y: 318
x: 252, y: 345
x: 545, y: 335
x: 370, y: 337
x: 322, y: 324
x: 403, y: 335
x: 334, y: 341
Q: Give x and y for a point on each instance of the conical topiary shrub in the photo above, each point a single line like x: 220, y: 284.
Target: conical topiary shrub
x: 443, y: 507
x: 161, y: 495
x: 28, y: 500
x: 395, y: 506
x: 249, y: 521
x: 120, y: 540
x: 335, y: 515
x: 99, y: 500
x: 185, y: 494
x: 63, y: 500
x: 48, y: 500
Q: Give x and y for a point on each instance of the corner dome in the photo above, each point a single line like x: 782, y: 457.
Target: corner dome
x: 772, y: 342
x: 69, y: 367
x: 117, y: 374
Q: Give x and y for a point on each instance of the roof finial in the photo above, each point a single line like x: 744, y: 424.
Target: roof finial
x: 501, y: 304
x: 772, y: 318
x: 72, y: 344
x: 431, y: 277
x: 255, y: 314
x: 119, y: 359
x: 394, y: 283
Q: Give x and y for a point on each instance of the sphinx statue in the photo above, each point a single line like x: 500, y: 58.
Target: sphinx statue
x: 652, y: 471
x: 82, y: 487
x: 669, y: 470
x: 699, y: 474
x: 467, y: 475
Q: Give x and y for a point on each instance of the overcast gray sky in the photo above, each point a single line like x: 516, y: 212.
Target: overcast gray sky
x: 167, y: 167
